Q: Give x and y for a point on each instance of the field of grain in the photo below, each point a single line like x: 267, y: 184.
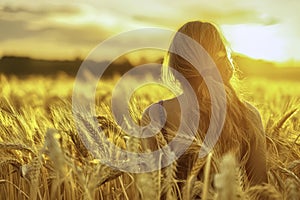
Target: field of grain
x: 42, y: 156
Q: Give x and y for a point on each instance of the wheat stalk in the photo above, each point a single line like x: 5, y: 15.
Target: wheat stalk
x: 281, y: 122
x: 226, y: 180
x: 206, y: 177
x: 147, y: 180
x: 15, y: 186
x: 11, y: 161
x: 33, y: 174
x: 265, y: 192
x: 21, y: 147
x: 292, y: 191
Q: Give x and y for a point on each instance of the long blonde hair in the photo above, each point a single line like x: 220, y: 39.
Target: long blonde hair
x: 239, y: 130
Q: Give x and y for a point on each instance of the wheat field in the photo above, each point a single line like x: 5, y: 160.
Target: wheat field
x: 43, y: 157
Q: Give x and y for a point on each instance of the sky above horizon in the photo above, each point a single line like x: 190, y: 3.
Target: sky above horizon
x: 67, y: 29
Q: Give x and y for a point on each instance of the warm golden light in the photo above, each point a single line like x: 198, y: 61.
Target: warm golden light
x: 95, y: 106
x: 257, y: 41
x: 88, y: 16
x: 65, y: 30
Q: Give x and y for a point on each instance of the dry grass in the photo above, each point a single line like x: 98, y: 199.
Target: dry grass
x: 43, y: 157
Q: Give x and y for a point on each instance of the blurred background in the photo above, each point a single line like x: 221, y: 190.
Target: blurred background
x: 42, y: 45
x: 46, y: 38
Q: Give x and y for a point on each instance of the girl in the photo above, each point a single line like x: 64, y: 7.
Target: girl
x: 242, y: 133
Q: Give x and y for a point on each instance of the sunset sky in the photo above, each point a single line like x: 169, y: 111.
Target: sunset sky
x: 67, y: 29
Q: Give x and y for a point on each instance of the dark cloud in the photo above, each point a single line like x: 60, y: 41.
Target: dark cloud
x: 41, y: 10
x: 80, y: 34
x: 76, y: 35
x: 13, y: 30
x: 19, y: 22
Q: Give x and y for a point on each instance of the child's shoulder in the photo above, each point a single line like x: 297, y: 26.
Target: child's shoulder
x: 254, y: 111
x: 252, y: 108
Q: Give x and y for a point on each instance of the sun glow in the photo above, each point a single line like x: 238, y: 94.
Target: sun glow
x: 257, y: 41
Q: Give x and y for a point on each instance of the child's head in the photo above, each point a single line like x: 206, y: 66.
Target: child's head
x: 210, y: 38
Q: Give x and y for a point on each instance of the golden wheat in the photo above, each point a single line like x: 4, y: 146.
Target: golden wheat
x: 42, y: 155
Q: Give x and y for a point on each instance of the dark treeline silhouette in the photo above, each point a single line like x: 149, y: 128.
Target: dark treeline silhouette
x: 264, y: 69
x: 23, y: 66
